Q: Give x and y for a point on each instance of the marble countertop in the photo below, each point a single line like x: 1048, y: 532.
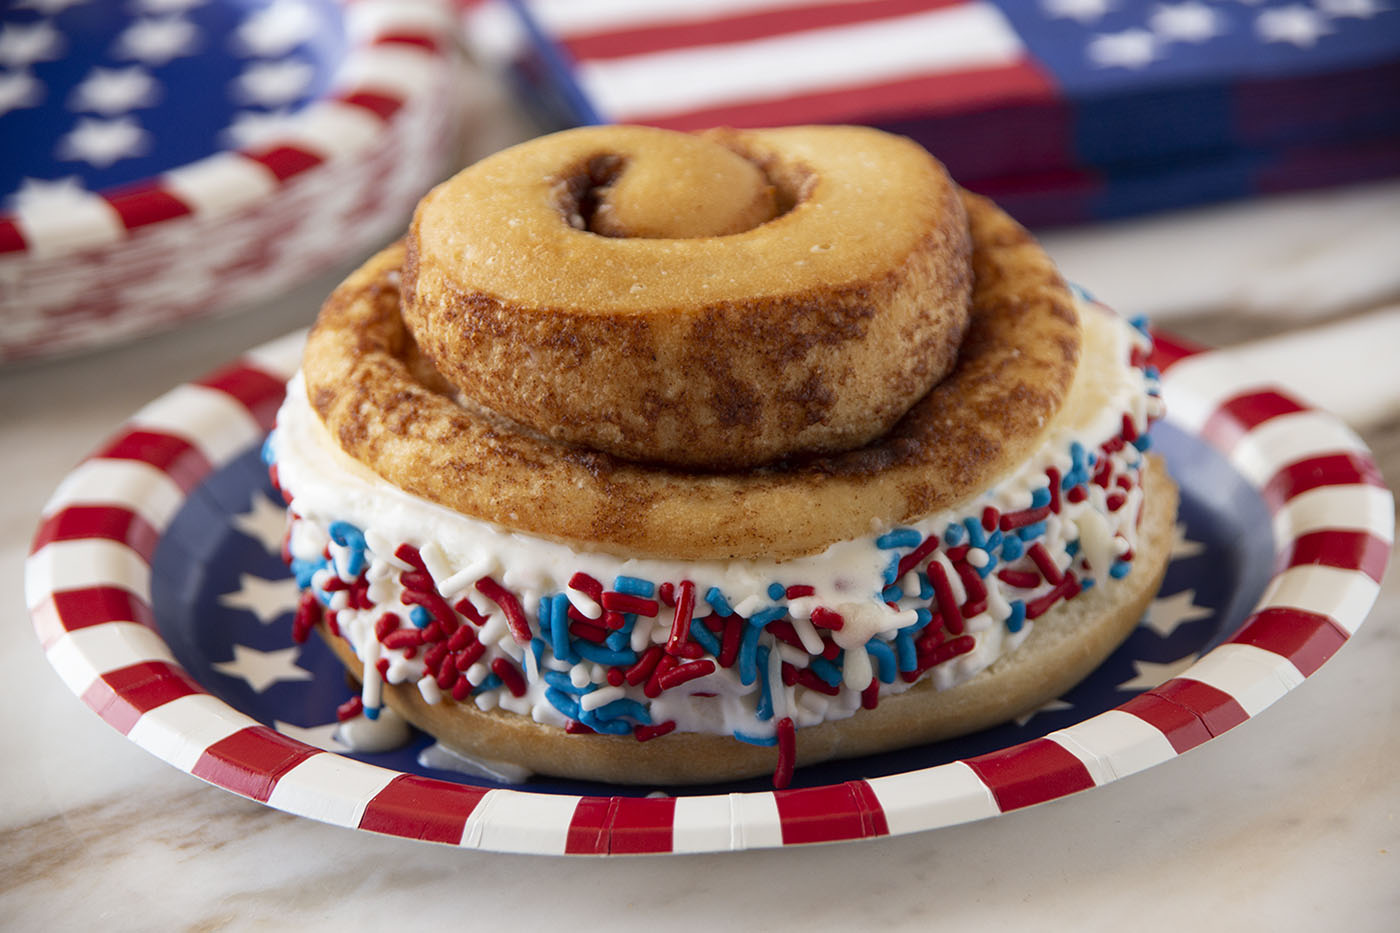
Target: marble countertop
x: 1289, y: 822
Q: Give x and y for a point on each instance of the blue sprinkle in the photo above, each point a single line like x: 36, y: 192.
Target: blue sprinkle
x: 592, y: 720
x: 624, y: 707
x: 977, y: 536
x: 891, y: 570
x: 559, y: 628
x: 748, y: 654
x: 325, y: 597
x: 1017, y: 617
x: 953, y: 535
x: 371, y: 712
x: 304, y: 570
x: 1087, y: 583
x: 490, y: 683
x: 560, y: 681
x: 1077, y: 454
x: 763, y: 617
x: 883, y: 657
x: 776, y: 591
x: 544, y: 616
x: 1072, y: 548
x: 923, y: 618
x: 1040, y: 498
x: 904, y: 647
x: 599, y: 654
x: 704, y: 636
x: 986, y: 569
x: 1120, y: 569
x: 1143, y: 443
x: 619, y: 640
x: 1140, y: 323
x: 755, y: 739
x: 1152, y: 372
x: 420, y: 617
x: 717, y: 602
x: 994, y: 540
x: 892, y: 593
x: 634, y: 586
x: 1073, y: 477
x: 562, y: 702
x: 925, y: 587
x: 764, y: 711
x: 348, y: 536
x: 269, y: 457
x: 1031, y: 532
x: 898, y: 537
x: 1011, y: 547
x: 826, y: 670
x: 537, y: 646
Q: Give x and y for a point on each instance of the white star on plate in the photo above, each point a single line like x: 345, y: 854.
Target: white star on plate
x: 1085, y: 11
x: 323, y: 736
x: 19, y: 89
x: 165, y: 6
x: 1165, y: 614
x: 1296, y: 24
x: 47, y: 7
x: 1131, y: 48
x: 269, y: 600
x: 103, y: 142
x: 1186, y: 22
x: 1354, y: 9
x: 59, y: 195
x: 115, y: 90
x: 273, y: 84
x: 277, y: 29
x: 25, y: 45
x: 265, y: 523
x: 1051, y: 707
x: 1151, y: 675
x: 255, y: 127
x: 262, y: 669
x: 158, y: 41
x: 1182, y: 546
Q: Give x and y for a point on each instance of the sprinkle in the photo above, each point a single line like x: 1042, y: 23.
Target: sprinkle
x: 949, y: 650
x: 645, y: 665
x: 907, y: 655
x: 461, y: 689
x: 825, y: 618
x: 755, y: 739
x: 772, y: 614
x: 469, y: 656
x: 978, y: 558
x: 789, y: 674
x: 705, y: 637
x: 653, y: 686
x: 647, y: 733
x: 515, y: 619
x: 349, y: 709
x: 586, y: 585
x: 1045, y: 563
x: 447, y: 678
x: 1011, y: 547
x: 617, y: 709
x: 807, y: 634
x: 764, y: 707
x: 717, y: 602
x: 898, y: 538
x: 556, y: 609
x: 976, y: 536
x: 1031, y: 532
x: 419, y: 616
x: 885, y: 665
x: 1077, y: 494
x: 1120, y: 569
x: 891, y: 573
x: 584, y: 605
x: 947, y: 604
x: 748, y: 655
x: 574, y: 727
x: 510, y: 676
x: 955, y: 533
x: 870, y: 696
x: 1115, y: 501
x: 633, y: 586
x: 729, y: 642
x: 685, y: 672
x: 402, y: 638
x: 599, y: 654
x: 307, y: 615
x: 562, y: 702
x: 667, y: 594
x: 798, y: 591
x: 680, y: 621
x: 619, y: 601
x: 348, y: 536
x: 915, y: 557
x: 776, y: 591
x: 787, y: 753
x: 1020, y: 579
x: 827, y: 671
x: 1017, y: 618
x: 1013, y: 520
x: 587, y: 632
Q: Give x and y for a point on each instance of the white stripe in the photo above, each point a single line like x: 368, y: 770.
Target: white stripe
x: 334, y: 130
x: 183, y: 729
x: 220, y: 184
x: 279, y: 358
x: 1344, y: 596
x: 701, y: 824
x: 81, y: 563
x: 85, y: 654
x: 402, y: 71
x: 754, y: 822
x: 81, y: 222
x: 1114, y: 744
x: 330, y: 788
x: 570, y: 17
x: 1253, y: 676
x: 365, y: 21
x: 217, y: 424
x: 1351, y: 508
x: 1287, y: 439
x: 975, y: 35
x: 933, y: 797
x: 129, y: 484
x: 510, y: 821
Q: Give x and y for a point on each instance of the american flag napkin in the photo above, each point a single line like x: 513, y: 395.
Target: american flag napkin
x: 1064, y: 109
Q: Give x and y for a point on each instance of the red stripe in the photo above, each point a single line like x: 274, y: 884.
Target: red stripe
x: 744, y: 27
x: 1305, y: 638
x: 1031, y: 773
x: 930, y: 95
x: 108, y: 522
x: 251, y: 761
x: 621, y: 825
x: 829, y: 814
x: 421, y: 808
x: 1218, y: 711
x: 1183, y: 728
x: 1167, y: 351
x: 98, y: 605
x: 257, y: 391
x: 415, y: 39
x: 1340, y: 469
x: 121, y: 697
x: 285, y: 161
x: 1349, y: 550
x: 139, y: 205
x: 174, y: 456
x: 382, y: 106
x: 1241, y: 414
x: 11, y: 240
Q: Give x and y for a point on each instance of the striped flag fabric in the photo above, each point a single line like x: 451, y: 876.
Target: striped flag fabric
x: 1065, y: 110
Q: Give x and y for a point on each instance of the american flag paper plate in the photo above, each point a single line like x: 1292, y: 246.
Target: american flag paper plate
x: 1063, y: 110
x: 159, y: 596
x: 163, y: 159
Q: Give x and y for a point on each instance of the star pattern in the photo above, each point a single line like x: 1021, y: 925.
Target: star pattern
x: 1353, y: 9
x: 1131, y: 48
x: 262, y: 669
x: 324, y: 736
x: 1150, y: 674
x: 274, y: 84
x: 158, y: 41
x: 1085, y: 11
x: 22, y: 45
x: 47, y: 7
x: 111, y: 91
x: 19, y: 89
x: 265, y: 522
x: 269, y: 600
x: 1190, y: 21
x: 1295, y: 24
x: 1182, y: 546
x: 1168, y: 612
x: 57, y: 195
x: 102, y: 142
x: 277, y: 29
x: 1054, y: 706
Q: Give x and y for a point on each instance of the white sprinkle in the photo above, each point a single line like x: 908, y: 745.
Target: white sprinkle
x: 856, y: 672
x: 487, y: 700
x: 584, y: 603
x: 601, y: 697
x: 578, y: 676
x: 792, y: 655
x: 431, y: 692
x: 477, y: 673
x: 977, y: 557
x: 439, y: 568
x: 911, y: 585
x: 750, y: 604
x: 807, y: 634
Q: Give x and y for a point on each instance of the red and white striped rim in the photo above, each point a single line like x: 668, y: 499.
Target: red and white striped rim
x: 88, y: 586
x: 394, y: 57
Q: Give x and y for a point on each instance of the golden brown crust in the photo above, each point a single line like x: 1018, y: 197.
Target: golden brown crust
x: 734, y: 339
x: 1064, y: 646
x: 386, y: 409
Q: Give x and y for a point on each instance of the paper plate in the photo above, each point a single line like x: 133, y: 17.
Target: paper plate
x: 159, y: 597
x: 166, y: 159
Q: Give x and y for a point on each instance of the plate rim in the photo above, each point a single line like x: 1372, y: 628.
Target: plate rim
x: 97, y: 630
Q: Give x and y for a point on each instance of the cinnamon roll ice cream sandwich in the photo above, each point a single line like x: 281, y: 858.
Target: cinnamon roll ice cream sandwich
x: 659, y: 458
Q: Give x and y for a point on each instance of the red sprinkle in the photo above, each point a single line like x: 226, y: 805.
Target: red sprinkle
x: 680, y: 620
x: 409, y: 555
x: 830, y: 650
x: 1045, y: 563
x: 1013, y: 520
x: 647, y: 733
x: 782, y: 629
x: 990, y: 517
x: 690, y: 651
x: 349, y: 709
x: 469, y: 656
x: 789, y: 674
x: 947, y: 603
x: 461, y: 689
x: 587, y: 586
x: 1103, y: 473
x: 825, y: 618
x: 1038, y: 606
x: 510, y: 676
x: 731, y: 640
x: 460, y: 639
x: 515, y: 619
x: 972, y: 583
x: 958, y: 553
x: 434, y: 656
x: 916, y: 557
x: 434, y: 631
x: 382, y: 666
x: 588, y: 632
x: 307, y: 615
x: 1021, y: 579
x: 437, y: 606
x: 948, y: 650
x: 1130, y: 431
x: 385, y: 624
x: 685, y: 672
x: 573, y: 727
x: 787, y: 753
x: 666, y: 592
x: 645, y: 665
x: 1115, y: 501
x: 808, y: 678
x: 626, y: 602
x: 1077, y: 494
x: 799, y: 590
x: 402, y: 638
x: 447, y: 677
x: 653, y: 686
x: 615, y: 677
x: 1053, y: 475
x: 870, y: 696
x: 332, y: 620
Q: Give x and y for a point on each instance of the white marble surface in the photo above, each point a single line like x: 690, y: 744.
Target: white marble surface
x: 1289, y: 822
